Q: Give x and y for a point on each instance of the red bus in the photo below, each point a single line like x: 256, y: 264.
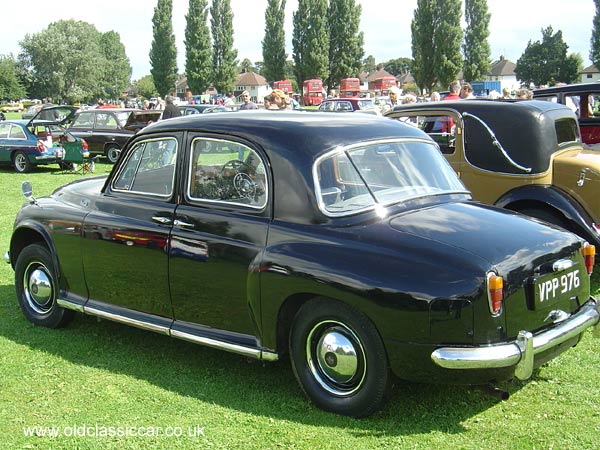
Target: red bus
x: 312, y: 92
x: 284, y: 85
x: 382, y: 85
x: 350, y: 87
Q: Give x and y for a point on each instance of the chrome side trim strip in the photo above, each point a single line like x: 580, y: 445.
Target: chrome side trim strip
x: 69, y: 305
x: 521, y: 351
x: 227, y: 346
x: 126, y: 320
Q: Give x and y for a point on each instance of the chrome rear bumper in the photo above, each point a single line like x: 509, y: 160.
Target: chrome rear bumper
x: 521, y: 352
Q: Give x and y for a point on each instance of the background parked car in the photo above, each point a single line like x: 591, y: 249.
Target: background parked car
x: 25, y: 144
x: 346, y: 242
x: 107, y: 130
x: 584, y: 100
x: 350, y: 104
x: 526, y: 156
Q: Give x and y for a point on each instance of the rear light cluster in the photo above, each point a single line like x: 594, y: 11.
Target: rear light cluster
x: 495, y: 285
x: 41, y: 147
x: 589, y: 255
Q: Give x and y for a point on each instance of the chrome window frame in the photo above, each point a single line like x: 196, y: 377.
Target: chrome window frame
x: 375, y: 205
x: 129, y: 155
x: 188, y: 186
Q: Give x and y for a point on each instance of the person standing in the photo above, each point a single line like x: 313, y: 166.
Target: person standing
x: 247, y: 103
x: 170, y: 109
x: 454, y: 89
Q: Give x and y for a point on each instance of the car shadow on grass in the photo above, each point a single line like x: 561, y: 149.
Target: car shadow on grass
x: 232, y: 381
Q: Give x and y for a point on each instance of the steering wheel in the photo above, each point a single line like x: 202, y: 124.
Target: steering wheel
x: 243, y: 184
x: 236, y: 165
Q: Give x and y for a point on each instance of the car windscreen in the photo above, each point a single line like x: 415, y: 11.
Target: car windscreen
x: 363, y: 176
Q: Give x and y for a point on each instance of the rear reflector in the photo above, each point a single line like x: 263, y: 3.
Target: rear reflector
x: 589, y: 254
x: 495, y: 286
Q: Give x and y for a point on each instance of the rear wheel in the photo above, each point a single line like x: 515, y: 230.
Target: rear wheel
x: 339, y: 358
x: 112, y: 153
x: 36, y: 284
x: 22, y: 163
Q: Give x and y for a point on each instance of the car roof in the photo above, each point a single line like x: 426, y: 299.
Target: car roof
x: 311, y: 132
x: 568, y: 89
x: 526, y: 129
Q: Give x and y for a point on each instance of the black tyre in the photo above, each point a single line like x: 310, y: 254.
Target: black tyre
x: 36, y: 284
x: 21, y: 162
x: 339, y: 358
x: 112, y: 153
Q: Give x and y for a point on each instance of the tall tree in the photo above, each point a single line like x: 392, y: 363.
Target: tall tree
x: 273, y: 44
x: 116, y: 75
x: 546, y: 61
x: 345, y: 41
x: 310, y: 38
x: 448, y: 37
x: 163, y: 53
x: 423, y: 28
x: 65, y: 61
x: 595, y: 40
x: 10, y: 86
x: 224, y: 66
x: 476, y: 47
x: 198, y: 60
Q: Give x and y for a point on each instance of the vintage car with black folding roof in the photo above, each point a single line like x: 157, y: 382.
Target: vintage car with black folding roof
x: 526, y: 156
x: 345, y: 241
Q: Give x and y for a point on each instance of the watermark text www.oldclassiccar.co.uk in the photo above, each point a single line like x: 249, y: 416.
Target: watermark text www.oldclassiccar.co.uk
x: 109, y: 431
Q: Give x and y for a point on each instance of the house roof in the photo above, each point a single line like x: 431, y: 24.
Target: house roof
x: 590, y: 69
x: 378, y: 74
x: 251, y: 79
x: 502, y: 67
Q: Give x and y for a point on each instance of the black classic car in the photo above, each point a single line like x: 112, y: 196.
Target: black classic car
x: 106, y: 130
x: 345, y: 241
x: 584, y: 100
x: 525, y: 156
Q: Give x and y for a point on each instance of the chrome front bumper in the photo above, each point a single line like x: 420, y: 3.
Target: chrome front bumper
x: 521, y: 352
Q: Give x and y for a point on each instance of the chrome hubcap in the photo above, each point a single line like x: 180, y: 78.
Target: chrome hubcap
x: 39, y: 291
x: 20, y: 162
x: 336, y: 358
x: 113, y: 154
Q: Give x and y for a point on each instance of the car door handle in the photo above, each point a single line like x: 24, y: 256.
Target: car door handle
x: 161, y: 219
x: 181, y: 223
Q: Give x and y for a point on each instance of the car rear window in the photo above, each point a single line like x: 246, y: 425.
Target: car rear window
x: 567, y: 131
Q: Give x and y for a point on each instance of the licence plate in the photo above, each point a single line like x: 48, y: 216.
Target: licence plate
x: 556, y: 286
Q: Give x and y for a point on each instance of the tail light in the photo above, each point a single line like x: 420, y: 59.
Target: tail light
x: 589, y: 255
x: 84, y: 144
x: 495, y: 285
x: 41, y: 147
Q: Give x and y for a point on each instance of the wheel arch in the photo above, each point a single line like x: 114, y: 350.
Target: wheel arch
x: 27, y: 235
x: 554, y: 200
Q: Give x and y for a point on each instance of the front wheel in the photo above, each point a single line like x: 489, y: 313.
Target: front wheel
x: 339, y: 358
x: 36, y: 284
x: 22, y: 163
x: 112, y: 153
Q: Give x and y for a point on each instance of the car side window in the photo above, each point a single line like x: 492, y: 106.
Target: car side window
x: 227, y: 172
x: 149, y: 168
x: 83, y: 120
x: 16, y: 132
x: 4, y: 129
x: 344, y: 106
x: 106, y: 121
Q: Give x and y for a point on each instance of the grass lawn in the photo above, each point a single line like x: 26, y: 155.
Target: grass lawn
x: 105, y: 380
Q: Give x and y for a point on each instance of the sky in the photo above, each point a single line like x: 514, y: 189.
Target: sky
x: 385, y: 23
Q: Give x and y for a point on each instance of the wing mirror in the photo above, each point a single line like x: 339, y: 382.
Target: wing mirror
x: 27, y: 190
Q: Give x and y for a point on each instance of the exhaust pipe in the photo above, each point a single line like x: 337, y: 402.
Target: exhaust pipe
x: 500, y: 394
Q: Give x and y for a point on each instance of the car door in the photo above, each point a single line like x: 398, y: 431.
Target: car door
x: 82, y: 126
x: 219, y: 233
x: 5, y: 147
x: 126, y: 236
